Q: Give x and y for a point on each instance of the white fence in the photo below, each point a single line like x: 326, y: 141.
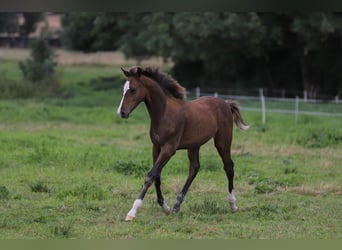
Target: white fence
x: 295, y: 106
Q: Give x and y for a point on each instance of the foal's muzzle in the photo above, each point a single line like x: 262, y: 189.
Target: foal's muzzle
x: 124, y: 114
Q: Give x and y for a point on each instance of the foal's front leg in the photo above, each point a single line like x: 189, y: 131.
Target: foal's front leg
x: 157, y: 183
x: 152, y: 176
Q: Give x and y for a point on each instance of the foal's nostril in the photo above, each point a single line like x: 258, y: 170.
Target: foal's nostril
x: 124, y: 114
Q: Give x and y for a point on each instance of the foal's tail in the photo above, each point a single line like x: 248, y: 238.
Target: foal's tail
x: 234, y: 107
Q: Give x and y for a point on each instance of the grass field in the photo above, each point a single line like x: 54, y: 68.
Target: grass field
x: 70, y: 168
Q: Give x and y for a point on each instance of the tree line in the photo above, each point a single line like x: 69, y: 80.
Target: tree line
x: 276, y: 51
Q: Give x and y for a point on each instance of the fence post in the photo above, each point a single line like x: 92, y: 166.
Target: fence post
x: 215, y: 94
x: 198, y: 92
x: 263, y: 107
x: 305, y: 94
x: 337, y: 100
x: 297, y: 108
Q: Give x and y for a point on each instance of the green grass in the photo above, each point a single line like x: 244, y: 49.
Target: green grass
x: 72, y: 169
x: 82, y: 73
x: 10, y: 69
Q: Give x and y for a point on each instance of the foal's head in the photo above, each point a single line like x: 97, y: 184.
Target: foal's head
x: 138, y: 86
x: 133, y: 92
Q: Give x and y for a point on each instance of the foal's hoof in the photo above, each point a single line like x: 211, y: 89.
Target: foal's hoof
x: 175, y: 210
x: 234, y: 209
x: 167, y: 211
x: 129, y: 218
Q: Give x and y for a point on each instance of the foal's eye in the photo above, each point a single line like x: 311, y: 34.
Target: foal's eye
x: 133, y: 91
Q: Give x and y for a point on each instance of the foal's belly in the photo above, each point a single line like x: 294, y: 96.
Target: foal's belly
x: 197, y: 133
x: 203, y: 121
x: 194, y: 143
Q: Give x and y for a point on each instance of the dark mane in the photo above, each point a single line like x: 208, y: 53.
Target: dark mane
x: 165, y: 81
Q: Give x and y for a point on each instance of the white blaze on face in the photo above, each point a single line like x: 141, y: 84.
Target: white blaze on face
x: 125, y: 89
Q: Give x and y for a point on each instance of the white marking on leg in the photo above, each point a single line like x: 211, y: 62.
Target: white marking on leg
x: 166, y: 208
x: 131, y: 214
x: 232, y: 201
x: 125, y: 89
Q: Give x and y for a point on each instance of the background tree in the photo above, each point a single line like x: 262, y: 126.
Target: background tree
x: 40, y: 67
x: 31, y: 20
x: 77, y: 31
x: 313, y: 31
x: 91, y: 31
x: 293, y: 51
x: 8, y: 22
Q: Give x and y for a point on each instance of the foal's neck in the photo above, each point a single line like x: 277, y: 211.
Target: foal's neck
x: 155, y: 100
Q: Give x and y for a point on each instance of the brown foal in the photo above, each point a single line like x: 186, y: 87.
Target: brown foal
x: 179, y: 124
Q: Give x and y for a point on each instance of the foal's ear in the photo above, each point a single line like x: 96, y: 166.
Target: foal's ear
x: 125, y: 72
x: 139, y: 71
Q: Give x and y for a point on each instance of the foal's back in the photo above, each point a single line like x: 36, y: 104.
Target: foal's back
x: 205, y: 116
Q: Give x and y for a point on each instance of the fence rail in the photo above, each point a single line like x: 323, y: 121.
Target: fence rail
x: 264, y: 104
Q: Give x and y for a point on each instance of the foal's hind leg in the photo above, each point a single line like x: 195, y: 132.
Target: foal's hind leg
x: 160, y: 197
x: 193, y: 155
x: 223, y: 144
